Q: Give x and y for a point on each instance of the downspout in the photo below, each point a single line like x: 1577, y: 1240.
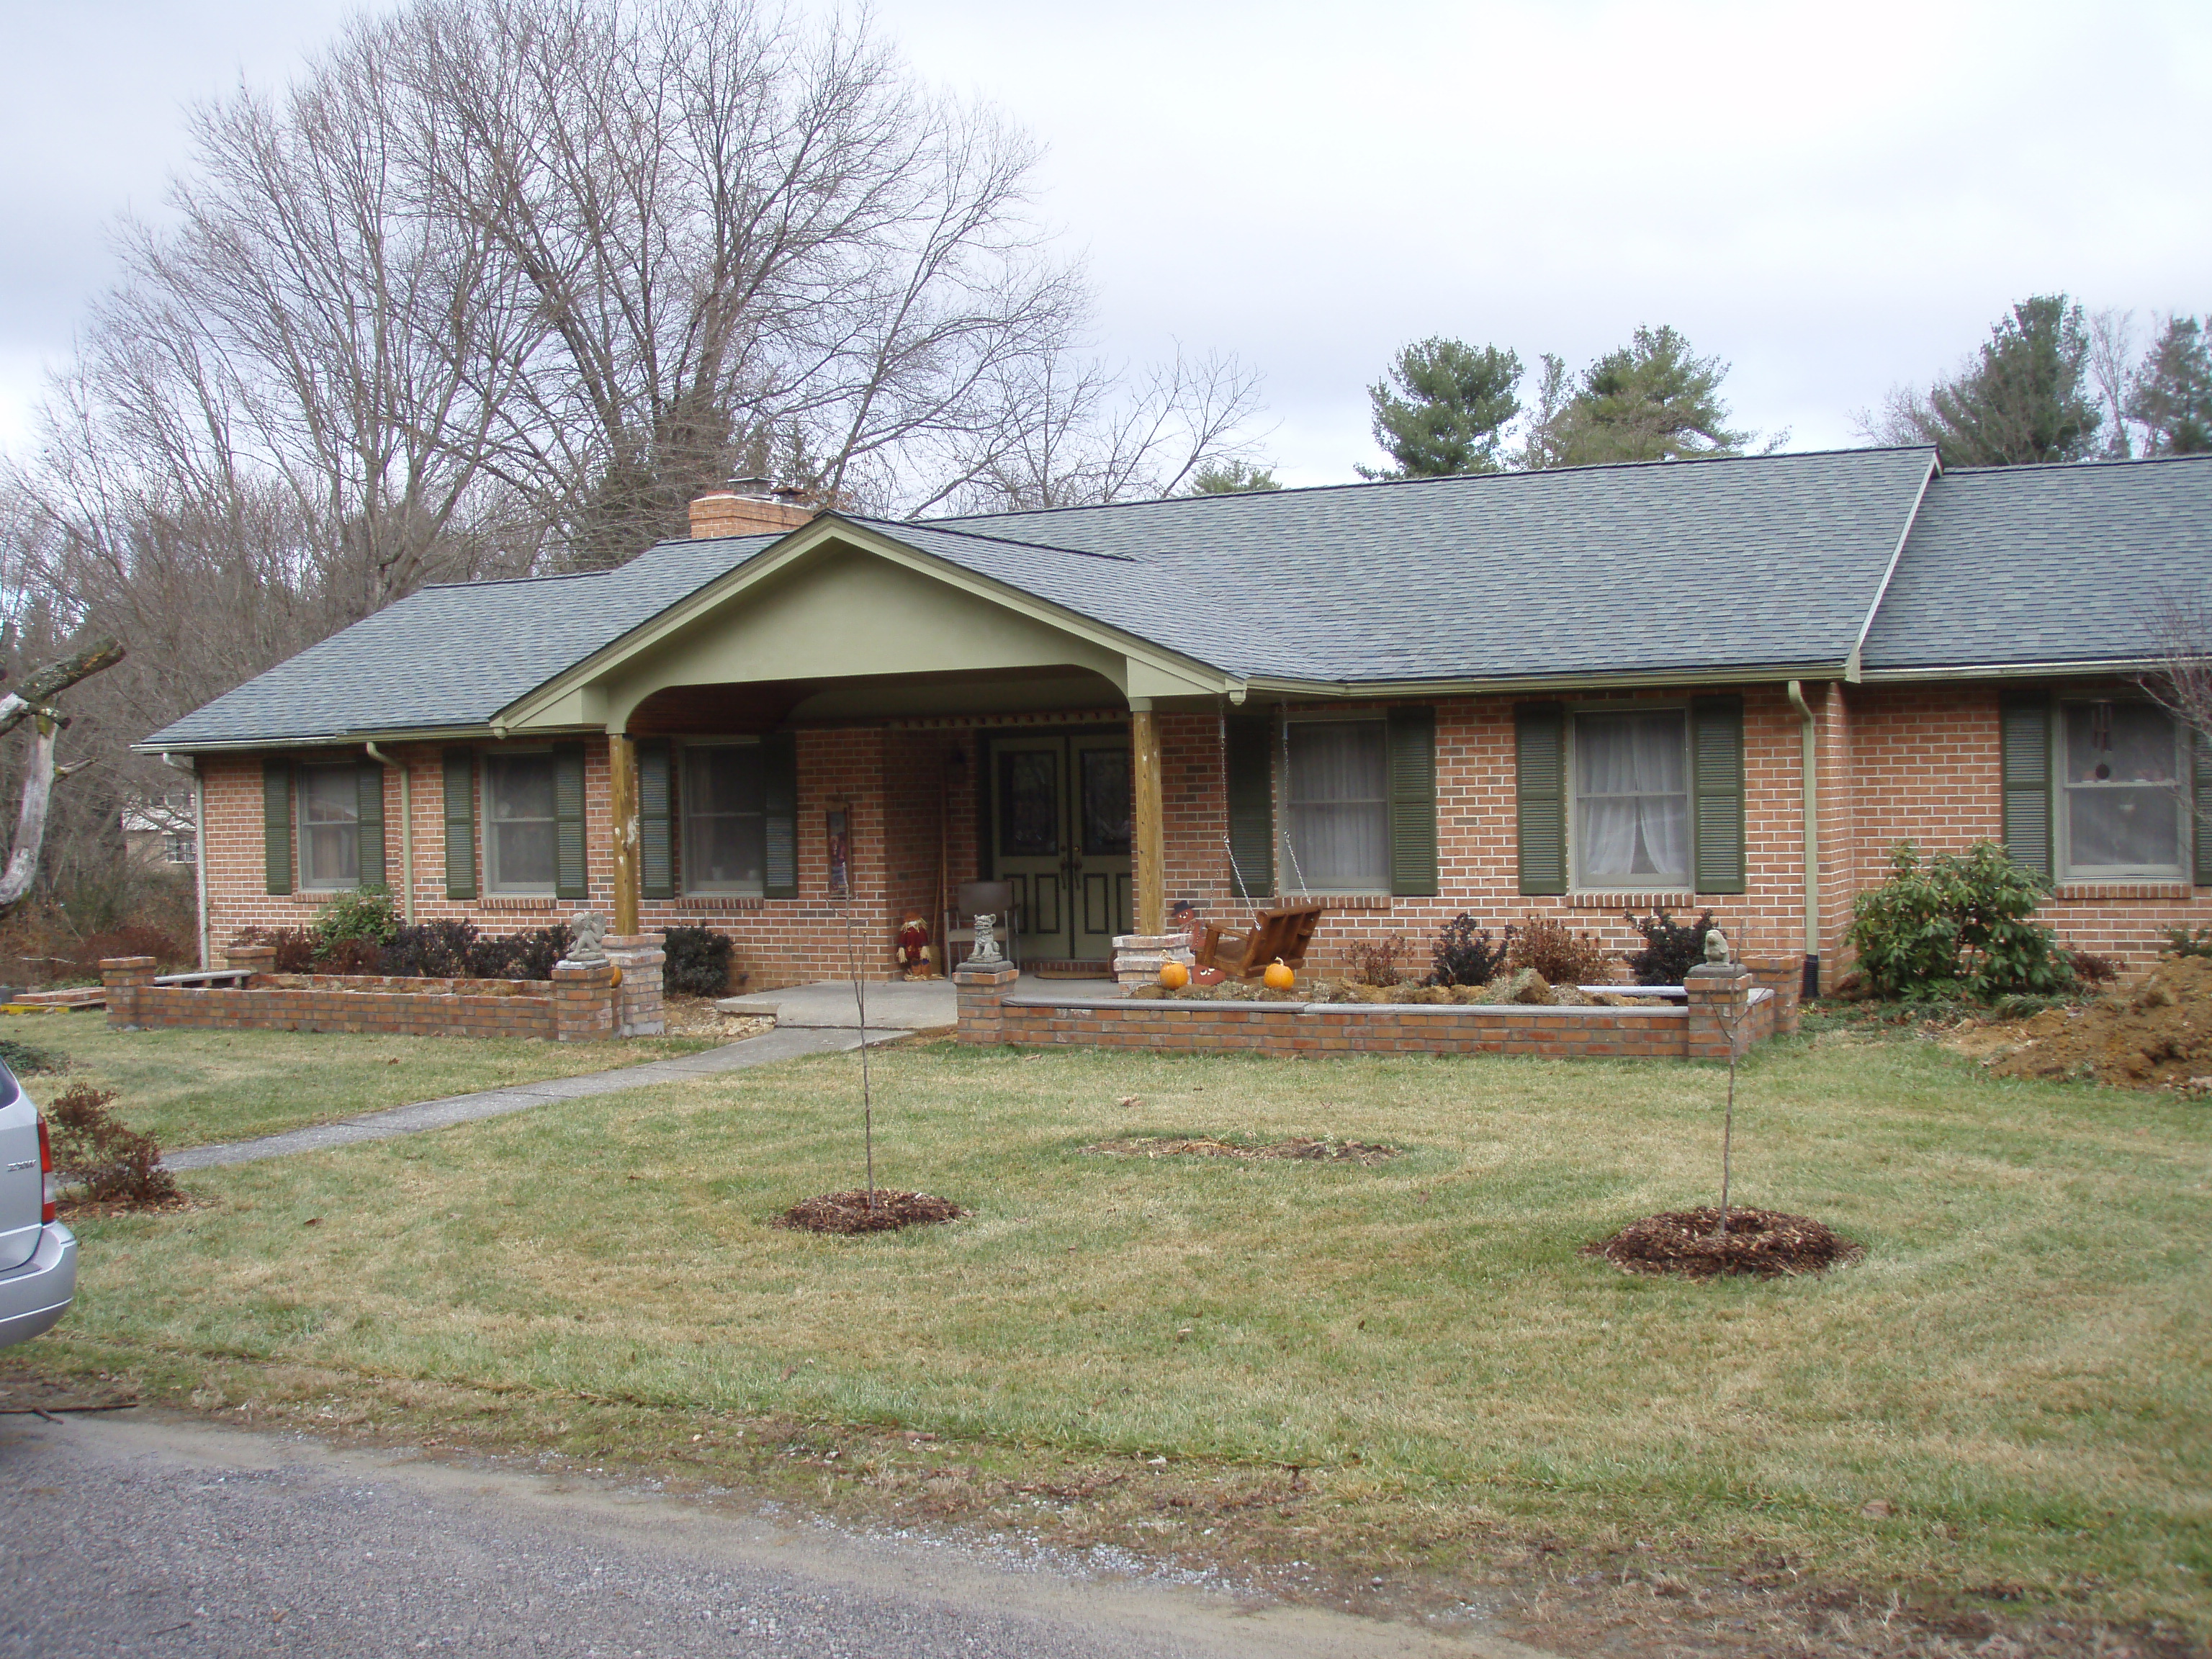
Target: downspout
x: 1809, y: 768
x: 199, y: 844
x: 406, y: 832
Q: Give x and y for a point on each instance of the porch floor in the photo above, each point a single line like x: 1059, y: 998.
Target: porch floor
x: 919, y: 1005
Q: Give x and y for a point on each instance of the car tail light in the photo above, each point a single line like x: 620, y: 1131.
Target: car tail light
x: 46, y: 1173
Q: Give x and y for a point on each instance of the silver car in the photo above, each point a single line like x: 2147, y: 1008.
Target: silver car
x: 38, y: 1255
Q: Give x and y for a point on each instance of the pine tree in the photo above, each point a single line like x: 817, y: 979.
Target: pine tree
x: 2170, y: 392
x: 1449, y: 413
x: 1653, y: 400
x: 1231, y: 478
x: 2023, y: 399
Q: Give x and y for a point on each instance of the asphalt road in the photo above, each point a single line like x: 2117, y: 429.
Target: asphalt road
x: 151, y: 1535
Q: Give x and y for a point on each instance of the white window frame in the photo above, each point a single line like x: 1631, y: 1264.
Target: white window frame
x: 1579, y: 880
x: 687, y: 886
x: 487, y: 823
x: 2063, y: 817
x: 1290, y: 876
x: 304, y: 831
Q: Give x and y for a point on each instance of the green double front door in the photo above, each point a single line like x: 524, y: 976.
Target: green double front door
x: 1059, y: 832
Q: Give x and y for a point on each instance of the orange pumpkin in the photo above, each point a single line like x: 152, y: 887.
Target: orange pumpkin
x: 1278, y: 976
x: 1174, y: 975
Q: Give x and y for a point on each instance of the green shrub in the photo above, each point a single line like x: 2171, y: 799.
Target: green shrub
x: 365, y: 914
x: 1956, y: 925
x: 2181, y: 942
x: 698, y: 962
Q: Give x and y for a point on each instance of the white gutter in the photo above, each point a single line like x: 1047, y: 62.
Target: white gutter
x: 406, y: 830
x: 1809, y: 767
x: 1851, y: 670
x: 199, y: 846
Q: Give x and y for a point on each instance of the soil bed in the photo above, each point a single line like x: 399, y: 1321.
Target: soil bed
x: 851, y: 1212
x: 1764, y: 1243
x: 1318, y: 1151
x: 2156, y: 1034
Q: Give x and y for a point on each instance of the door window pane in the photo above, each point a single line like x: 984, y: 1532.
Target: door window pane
x: 1339, y: 820
x: 330, y: 827
x: 1106, y: 814
x: 1632, y: 800
x: 519, y: 834
x: 2121, y: 790
x: 1029, y: 803
x: 725, y: 841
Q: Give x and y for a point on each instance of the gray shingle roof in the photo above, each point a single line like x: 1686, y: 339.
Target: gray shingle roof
x: 1618, y: 569
x: 1765, y: 563
x: 2046, y: 564
x: 453, y: 655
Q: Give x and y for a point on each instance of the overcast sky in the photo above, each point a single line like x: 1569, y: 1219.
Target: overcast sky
x: 1833, y: 199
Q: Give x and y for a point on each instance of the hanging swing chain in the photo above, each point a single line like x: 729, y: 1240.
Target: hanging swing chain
x: 860, y: 1002
x: 1229, y: 846
x: 1289, y: 840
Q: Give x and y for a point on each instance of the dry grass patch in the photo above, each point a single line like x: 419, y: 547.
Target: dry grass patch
x: 2010, y: 1389
x: 187, y: 1088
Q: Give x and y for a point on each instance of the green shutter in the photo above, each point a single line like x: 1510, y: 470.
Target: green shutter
x: 1716, y: 792
x: 2199, y: 824
x: 460, y: 823
x: 277, y: 824
x: 1539, y: 781
x: 369, y: 795
x: 1413, y: 759
x: 656, y: 822
x: 779, y: 796
x: 1247, y: 746
x: 568, y: 873
x: 2026, y: 746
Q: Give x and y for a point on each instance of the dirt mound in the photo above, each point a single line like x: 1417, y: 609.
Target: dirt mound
x: 1318, y: 1152
x: 1765, y: 1244
x: 852, y: 1213
x: 2154, y: 1033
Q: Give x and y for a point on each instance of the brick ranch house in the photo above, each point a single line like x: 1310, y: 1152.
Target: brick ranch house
x: 1733, y: 683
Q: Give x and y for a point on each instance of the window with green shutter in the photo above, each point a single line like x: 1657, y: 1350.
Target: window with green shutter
x: 1248, y: 757
x: 1413, y: 762
x: 1716, y: 792
x: 656, y: 821
x: 570, y: 878
x: 460, y: 823
x: 368, y: 787
x: 780, y: 803
x: 1540, y: 771
x: 2200, y: 798
x: 2026, y: 772
x: 276, y: 824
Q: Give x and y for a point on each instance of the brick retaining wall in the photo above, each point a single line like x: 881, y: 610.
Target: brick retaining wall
x: 1696, y: 1028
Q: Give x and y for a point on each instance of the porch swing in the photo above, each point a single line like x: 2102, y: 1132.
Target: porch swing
x: 1279, y: 934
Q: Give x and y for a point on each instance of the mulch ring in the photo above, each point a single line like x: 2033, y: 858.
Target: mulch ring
x: 852, y: 1213
x: 1764, y: 1243
x: 1314, y: 1152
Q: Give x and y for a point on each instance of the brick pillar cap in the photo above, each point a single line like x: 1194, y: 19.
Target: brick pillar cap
x: 985, y: 973
x: 635, y: 941
x: 572, y: 972
x: 108, y: 964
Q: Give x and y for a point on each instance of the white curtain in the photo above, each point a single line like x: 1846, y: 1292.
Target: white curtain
x: 1340, y: 830
x: 1633, y: 799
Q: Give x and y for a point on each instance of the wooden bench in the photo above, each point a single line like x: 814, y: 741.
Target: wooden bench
x: 1284, y: 933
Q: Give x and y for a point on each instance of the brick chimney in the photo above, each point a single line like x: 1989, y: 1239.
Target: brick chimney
x: 750, y: 508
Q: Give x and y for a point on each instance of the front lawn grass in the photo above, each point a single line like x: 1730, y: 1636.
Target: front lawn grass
x: 187, y: 1087
x: 2009, y: 1395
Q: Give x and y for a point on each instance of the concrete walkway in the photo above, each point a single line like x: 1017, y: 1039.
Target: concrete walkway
x: 902, y: 1005
x: 764, y: 1050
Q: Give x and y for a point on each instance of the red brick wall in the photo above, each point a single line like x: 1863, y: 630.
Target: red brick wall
x: 1892, y: 763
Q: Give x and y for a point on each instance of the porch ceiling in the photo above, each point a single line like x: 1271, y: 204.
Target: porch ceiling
x: 837, y: 623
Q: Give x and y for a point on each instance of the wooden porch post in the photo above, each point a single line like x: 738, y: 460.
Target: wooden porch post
x: 622, y: 808
x: 1151, y: 830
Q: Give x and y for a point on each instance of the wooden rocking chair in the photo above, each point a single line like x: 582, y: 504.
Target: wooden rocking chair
x: 1284, y: 933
